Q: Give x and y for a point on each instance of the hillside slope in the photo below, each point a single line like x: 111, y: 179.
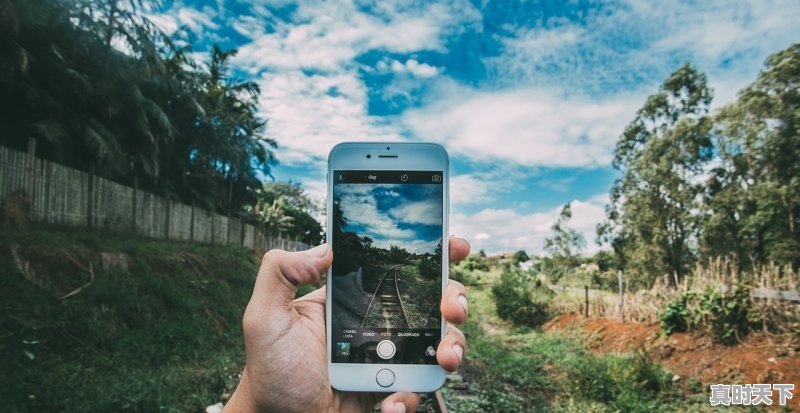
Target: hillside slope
x: 95, y: 322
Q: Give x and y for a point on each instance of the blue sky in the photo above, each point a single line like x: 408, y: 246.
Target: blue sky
x: 405, y: 215
x: 528, y: 97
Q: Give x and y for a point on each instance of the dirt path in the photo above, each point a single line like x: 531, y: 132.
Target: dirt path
x: 755, y: 360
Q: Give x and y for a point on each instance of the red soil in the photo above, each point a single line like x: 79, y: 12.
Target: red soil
x: 756, y: 360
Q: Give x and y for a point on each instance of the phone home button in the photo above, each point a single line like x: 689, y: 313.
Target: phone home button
x: 386, y: 349
x: 385, y: 377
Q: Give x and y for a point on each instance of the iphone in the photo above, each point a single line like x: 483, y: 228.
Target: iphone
x: 387, y: 225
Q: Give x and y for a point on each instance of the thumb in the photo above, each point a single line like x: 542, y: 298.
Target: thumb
x: 280, y: 274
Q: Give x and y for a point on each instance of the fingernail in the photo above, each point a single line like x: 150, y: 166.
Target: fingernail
x: 399, y: 408
x: 463, y: 301
x: 319, y: 251
x: 459, y: 351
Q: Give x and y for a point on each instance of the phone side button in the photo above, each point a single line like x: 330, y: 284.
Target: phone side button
x: 385, y: 377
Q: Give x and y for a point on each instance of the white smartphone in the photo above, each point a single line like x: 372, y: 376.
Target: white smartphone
x: 387, y: 225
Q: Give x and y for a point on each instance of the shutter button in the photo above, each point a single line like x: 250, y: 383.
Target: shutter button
x: 386, y: 349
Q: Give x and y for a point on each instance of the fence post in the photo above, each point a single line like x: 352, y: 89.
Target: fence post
x: 213, y: 232
x: 30, y: 180
x: 166, y: 219
x: 90, y: 195
x: 621, y: 297
x: 228, y: 228
x: 586, y: 301
x: 135, y: 196
x: 191, y: 225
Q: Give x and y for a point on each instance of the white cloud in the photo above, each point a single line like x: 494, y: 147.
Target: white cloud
x: 412, y: 67
x: 309, y: 114
x: 328, y: 35
x: 312, y: 94
x: 422, y: 212
x: 640, y: 42
x: 197, y: 21
x: 483, y: 186
x: 531, y: 127
x: 501, y: 230
x: 714, y: 31
x: 527, y: 51
x: 359, y: 207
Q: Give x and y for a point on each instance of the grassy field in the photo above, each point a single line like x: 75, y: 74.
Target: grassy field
x: 150, y: 326
x: 515, y: 369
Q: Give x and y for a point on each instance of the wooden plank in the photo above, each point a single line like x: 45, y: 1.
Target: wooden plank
x: 785, y: 295
x: 776, y: 294
x: 438, y: 402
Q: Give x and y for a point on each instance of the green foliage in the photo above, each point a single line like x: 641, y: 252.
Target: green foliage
x: 284, y: 209
x: 674, y: 317
x: 430, y: 267
x: 564, y: 246
x: 650, y: 220
x: 624, y: 383
x: 753, y: 197
x: 605, y: 280
x: 522, y: 299
x: 522, y: 369
x: 667, y: 209
x: 470, y: 270
x: 163, y: 335
x: 98, y: 85
x: 725, y: 317
x: 520, y: 257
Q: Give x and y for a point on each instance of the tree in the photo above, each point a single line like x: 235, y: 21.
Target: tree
x: 298, y: 205
x: 753, y: 197
x: 652, y: 220
x: 564, y: 246
x: 520, y: 257
x: 98, y: 85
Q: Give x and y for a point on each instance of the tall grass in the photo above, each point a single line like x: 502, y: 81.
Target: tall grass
x: 779, y: 318
x: 159, y: 333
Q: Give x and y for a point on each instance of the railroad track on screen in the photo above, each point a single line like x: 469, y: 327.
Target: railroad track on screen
x: 386, y: 303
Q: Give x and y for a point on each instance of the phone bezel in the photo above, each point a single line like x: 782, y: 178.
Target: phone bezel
x: 411, y: 157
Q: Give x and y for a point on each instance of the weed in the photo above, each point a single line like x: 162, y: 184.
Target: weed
x: 726, y: 317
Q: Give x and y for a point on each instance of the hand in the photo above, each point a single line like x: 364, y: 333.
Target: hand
x: 285, y: 348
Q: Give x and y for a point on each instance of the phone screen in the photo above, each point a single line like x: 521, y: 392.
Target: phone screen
x: 387, y: 266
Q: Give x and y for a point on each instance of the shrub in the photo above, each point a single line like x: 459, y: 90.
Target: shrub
x: 429, y: 267
x: 521, y: 299
x: 725, y: 317
x: 624, y: 383
x: 475, y: 263
x: 463, y: 276
x: 605, y: 280
x: 673, y: 318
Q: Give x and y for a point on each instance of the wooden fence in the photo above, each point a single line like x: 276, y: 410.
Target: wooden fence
x: 61, y: 195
